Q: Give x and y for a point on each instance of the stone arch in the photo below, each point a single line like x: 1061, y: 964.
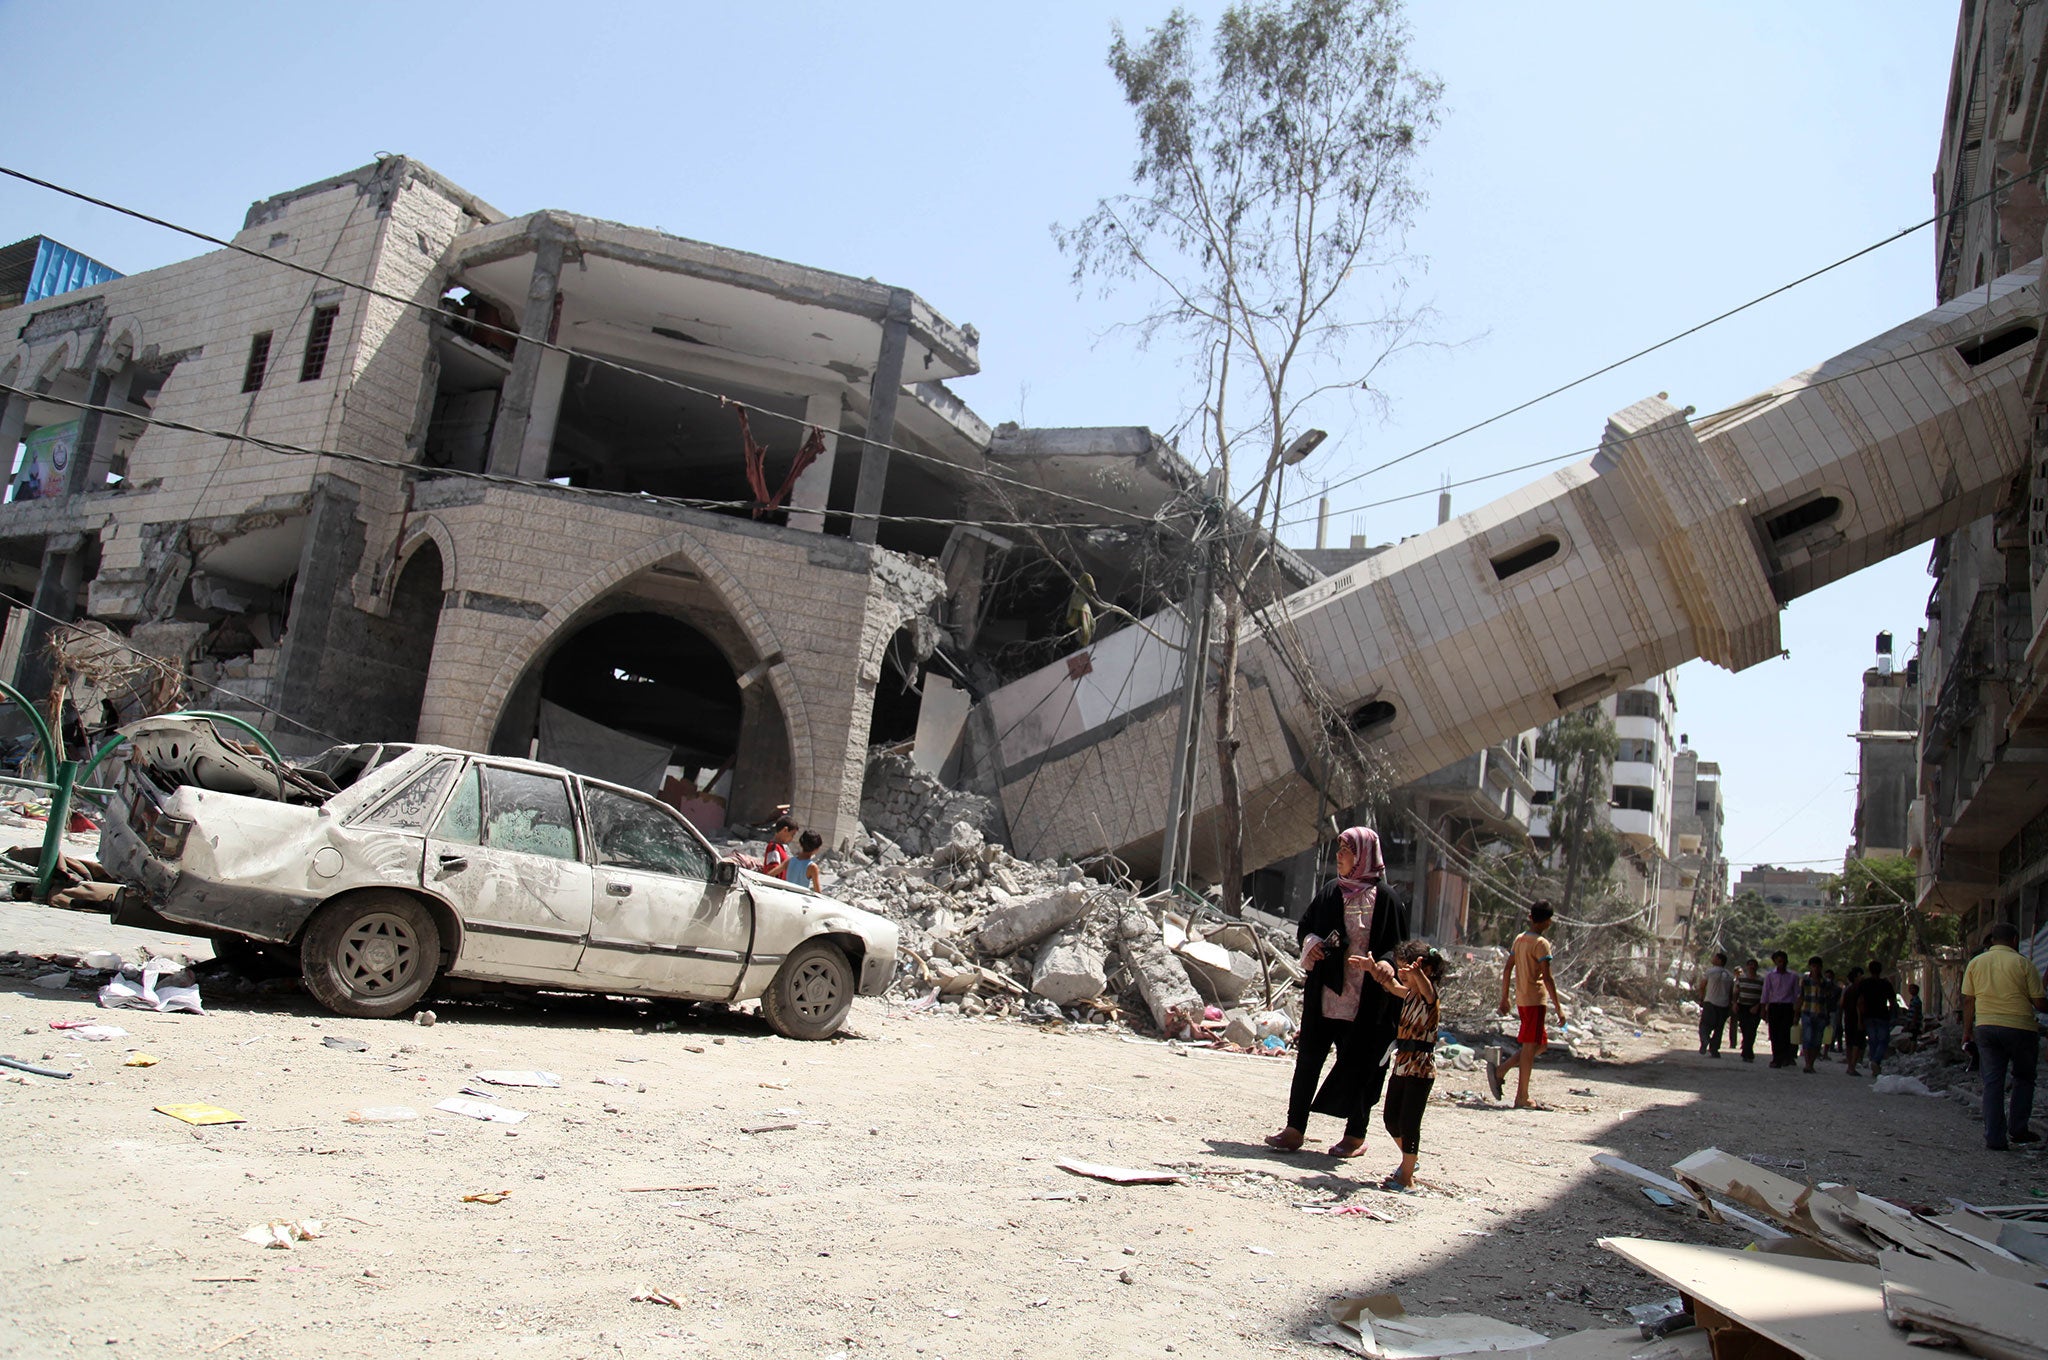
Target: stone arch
x: 124, y: 339
x: 424, y: 529
x: 751, y: 620
x: 66, y: 354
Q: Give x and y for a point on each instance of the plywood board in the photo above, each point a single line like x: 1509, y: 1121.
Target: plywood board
x: 1669, y: 1186
x: 1751, y: 1186
x: 1822, y: 1310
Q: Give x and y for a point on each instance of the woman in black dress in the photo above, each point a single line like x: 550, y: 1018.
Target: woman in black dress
x: 1348, y: 933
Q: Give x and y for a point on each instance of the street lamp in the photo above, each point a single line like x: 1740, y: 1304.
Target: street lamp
x: 1304, y: 444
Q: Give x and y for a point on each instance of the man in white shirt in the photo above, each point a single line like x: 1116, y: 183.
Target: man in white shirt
x: 1717, y: 999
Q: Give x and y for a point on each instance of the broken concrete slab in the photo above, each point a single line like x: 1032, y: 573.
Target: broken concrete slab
x: 1221, y: 975
x: 1157, y: 974
x: 1070, y: 969
x: 1006, y: 931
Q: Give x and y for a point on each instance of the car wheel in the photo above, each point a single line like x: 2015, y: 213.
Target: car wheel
x: 811, y: 993
x: 370, y: 955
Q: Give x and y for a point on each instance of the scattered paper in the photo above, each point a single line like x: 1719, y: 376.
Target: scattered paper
x: 89, y: 1030
x: 141, y: 1060
x: 345, y: 1045
x: 1117, y: 1175
x: 283, y: 1232
x: 148, y: 991
x: 476, y: 1109
x: 382, y: 1114
x: 520, y: 1078
x: 201, y: 1114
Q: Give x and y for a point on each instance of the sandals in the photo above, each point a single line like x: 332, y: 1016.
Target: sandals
x: 1394, y: 1185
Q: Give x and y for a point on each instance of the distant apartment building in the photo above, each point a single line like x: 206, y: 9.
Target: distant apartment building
x: 1655, y: 793
x: 1887, y: 756
x: 1792, y: 893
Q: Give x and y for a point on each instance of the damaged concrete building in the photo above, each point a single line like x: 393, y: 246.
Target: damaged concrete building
x: 396, y: 466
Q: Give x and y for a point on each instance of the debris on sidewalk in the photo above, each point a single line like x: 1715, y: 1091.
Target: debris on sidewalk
x: 381, y: 1114
x: 476, y: 1109
x: 281, y: 1233
x: 345, y: 1045
x: 89, y: 1031
x: 520, y: 1078
x: 1857, y: 1278
x: 655, y: 1296
x: 142, y: 1060
x: 198, y: 1113
x: 487, y: 1197
x: 8, y: 1060
x: 1118, y: 1175
x: 1377, y: 1325
x: 162, y: 984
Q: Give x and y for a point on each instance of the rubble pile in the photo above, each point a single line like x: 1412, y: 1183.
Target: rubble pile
x: 1595, y: 1027
x: 914, y: 809
x: 1834, y: 1271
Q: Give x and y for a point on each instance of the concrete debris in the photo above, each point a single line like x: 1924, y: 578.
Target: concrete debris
x: 914, y: 809
x: 1161, y: 981
x: 1009, y: 929
x: 1071, y: 968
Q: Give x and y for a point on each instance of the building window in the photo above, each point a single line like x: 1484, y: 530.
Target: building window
x: 1805, y: 515
x: 317, y: 339
x: 1637, y: 749
x: 1980, y: 352
x: 259, y: 359
x: 1525, y: 557
x: 1635, y: 703
x: 1370, y: 718
x: 1632, y: 798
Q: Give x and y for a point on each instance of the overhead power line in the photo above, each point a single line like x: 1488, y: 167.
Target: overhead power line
x: 1670, y: 340
x: 433, y: 309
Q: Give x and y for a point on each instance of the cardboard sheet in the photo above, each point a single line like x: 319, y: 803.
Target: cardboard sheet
x: 1823, y: 1310
x: 1993, y: 1316
x: 1385, y: 1331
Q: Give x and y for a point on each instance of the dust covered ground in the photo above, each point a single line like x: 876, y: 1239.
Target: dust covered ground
x: 913, y: 1210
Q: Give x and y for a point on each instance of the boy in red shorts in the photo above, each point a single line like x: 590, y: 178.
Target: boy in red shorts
x: 1527, y: 976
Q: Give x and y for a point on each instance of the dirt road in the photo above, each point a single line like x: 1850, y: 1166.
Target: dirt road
x: 913, y: 1209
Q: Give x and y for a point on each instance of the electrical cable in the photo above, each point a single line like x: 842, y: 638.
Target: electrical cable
x: 1689, y: 331
x: 399, y: 465
x: 169, y: 671
x: 1759, y: 399
x: 434, y: 309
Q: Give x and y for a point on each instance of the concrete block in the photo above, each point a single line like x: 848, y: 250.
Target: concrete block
x: 1008, y: 930
x: 1221, y: 975
x: 1069, y: 969
x: 1158, y: 975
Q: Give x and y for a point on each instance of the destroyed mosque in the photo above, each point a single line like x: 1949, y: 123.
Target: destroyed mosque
x: 269, y: 477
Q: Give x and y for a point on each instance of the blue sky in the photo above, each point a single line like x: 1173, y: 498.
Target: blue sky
x: 1605, y: 175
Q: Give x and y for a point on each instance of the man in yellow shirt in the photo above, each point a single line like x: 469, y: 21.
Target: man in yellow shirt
x: 2001, y: 992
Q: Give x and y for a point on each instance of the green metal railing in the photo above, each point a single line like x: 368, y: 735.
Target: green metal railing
x: 68, y: 776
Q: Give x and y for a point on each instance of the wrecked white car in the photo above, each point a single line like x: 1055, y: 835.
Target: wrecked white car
x: 385, y: 867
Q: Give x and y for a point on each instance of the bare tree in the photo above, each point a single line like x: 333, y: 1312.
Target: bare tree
x: 1268, y: 214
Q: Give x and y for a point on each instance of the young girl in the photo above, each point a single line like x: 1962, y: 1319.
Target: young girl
x: 1417, y: 970
x: 802, y: 867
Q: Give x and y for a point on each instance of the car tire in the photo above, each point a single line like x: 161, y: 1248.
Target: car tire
x: 811, y: 993
x: 370, y: 955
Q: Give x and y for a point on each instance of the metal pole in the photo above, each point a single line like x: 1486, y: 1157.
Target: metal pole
x: 53, y: 833
x: 1187, y: 731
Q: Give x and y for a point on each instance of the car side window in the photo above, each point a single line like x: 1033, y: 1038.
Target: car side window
x: 629, y: 833
x: 463, y: 820
x: 528, y: 813
x: 409, y: 807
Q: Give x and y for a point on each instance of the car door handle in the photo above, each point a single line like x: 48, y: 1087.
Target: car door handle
x: 452, y: 864
x: 619, y: 889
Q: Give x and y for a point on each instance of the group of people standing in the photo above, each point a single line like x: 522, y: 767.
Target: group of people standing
x: 1371, y: 997
x: 1855, y: 1016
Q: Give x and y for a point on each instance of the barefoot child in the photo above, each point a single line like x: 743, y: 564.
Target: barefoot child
x: 1418, y: 970
x: 1528, y: 974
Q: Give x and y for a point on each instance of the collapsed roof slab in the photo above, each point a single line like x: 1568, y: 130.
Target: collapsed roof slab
x: 639, y: 289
